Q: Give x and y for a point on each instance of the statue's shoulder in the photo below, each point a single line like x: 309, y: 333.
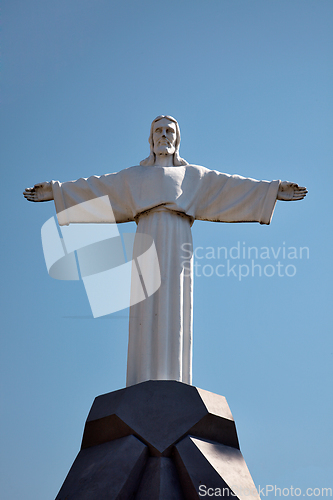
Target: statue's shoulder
x: 134, y: 168
x: 129, y: 171
x: 199, y: 169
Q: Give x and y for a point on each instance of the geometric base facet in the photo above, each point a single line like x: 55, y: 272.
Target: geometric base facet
x: 160, y: 480
x: 109, y: 470
x: 160, y: 439
x: 204, y: 464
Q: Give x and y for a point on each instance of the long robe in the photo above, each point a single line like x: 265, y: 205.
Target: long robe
x: 164, y: 202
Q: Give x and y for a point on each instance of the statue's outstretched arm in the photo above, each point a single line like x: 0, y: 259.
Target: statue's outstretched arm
x: 40, y: 192
x: 289, y: 191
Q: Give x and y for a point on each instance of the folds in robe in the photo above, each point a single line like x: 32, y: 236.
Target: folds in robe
x: 193, y: 190
x: 164, y: 201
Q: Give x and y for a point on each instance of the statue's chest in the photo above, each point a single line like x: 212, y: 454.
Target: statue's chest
x: 164, y: 184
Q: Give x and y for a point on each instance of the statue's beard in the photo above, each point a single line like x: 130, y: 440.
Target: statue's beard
x: 164, y: 149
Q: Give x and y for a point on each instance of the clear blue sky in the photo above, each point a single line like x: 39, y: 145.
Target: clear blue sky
x: 250, y: 82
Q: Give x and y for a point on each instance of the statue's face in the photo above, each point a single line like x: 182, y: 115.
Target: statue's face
x: 164, y: 137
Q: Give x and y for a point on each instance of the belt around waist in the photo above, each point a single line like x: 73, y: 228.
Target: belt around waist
x: 163, y: 209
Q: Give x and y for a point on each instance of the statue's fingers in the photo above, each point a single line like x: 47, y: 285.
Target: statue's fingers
x: 30, y: 197
x: 297, y: 193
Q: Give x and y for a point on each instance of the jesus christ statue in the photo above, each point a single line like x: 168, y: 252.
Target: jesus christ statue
x: 164, y: 195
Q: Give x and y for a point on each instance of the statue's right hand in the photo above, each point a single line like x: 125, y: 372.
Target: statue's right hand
x: 40, y: 192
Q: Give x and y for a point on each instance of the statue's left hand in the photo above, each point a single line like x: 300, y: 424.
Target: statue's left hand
x: 289, y: 191
x: 40, y: 192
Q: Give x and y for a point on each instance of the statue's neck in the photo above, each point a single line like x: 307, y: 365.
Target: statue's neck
x: 163, y: 161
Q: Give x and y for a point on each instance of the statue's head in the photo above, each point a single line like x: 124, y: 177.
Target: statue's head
x: 165, y: 138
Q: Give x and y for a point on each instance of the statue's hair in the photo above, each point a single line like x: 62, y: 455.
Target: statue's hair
x: 177, y: 160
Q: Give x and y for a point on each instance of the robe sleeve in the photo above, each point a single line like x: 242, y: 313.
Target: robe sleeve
x: 232, y: 198
x: 97, y: 199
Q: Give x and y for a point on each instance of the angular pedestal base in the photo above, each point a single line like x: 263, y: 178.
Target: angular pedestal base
x: 159, y: 440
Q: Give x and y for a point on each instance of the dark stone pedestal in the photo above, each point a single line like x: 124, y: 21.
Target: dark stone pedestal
x: 159, y: 440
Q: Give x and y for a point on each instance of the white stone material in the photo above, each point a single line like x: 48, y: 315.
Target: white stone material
x: 165, y: 201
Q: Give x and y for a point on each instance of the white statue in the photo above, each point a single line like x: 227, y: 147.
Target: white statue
x: 164, y: 195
